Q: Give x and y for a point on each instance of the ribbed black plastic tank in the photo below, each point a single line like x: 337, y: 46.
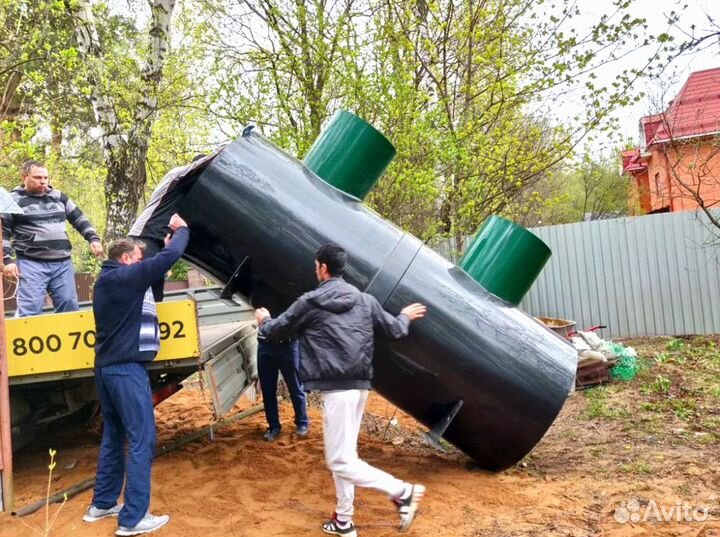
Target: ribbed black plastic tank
x: 257, y: 216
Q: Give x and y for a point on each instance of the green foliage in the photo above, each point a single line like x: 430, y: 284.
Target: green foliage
x: 591, y: 189
x: 465, y: 91
x: 179, y: 271
x: 684, y: 409
x: 46, y: 111
x: 461, y: 89
x: 660, y: 385
x: 637, y: 467
x: 38, y: 79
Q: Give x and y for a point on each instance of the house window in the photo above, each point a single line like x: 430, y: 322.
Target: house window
x: 658, y: 192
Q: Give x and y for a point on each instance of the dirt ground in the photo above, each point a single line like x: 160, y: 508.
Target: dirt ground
x: 624, y: 451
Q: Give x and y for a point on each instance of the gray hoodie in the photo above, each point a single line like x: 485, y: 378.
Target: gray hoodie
x: 336, y: 325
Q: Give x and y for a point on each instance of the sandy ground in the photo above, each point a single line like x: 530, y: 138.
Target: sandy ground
x: 238, y: 485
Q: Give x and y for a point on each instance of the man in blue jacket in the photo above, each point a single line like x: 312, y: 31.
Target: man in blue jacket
x: 336, y: 325
x: 128, y: 337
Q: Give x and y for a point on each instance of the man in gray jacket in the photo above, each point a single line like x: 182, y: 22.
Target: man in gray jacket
x: 336, y: 325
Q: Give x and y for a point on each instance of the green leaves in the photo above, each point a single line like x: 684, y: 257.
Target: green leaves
x: 469, y: 93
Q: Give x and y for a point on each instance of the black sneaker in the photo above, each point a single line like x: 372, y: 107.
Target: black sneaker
x: 271, y: 435
x: 407, y: 506
x: 335, y: 527
x: 302, y: 431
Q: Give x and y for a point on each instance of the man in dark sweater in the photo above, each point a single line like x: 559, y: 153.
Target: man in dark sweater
x: 336, y: 325
x: 152, y: 224
x: 274, y: 358
x: 128, y: 337
x: 39, y: 240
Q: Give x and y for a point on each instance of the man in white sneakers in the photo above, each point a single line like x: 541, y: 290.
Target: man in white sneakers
x: 336, y: 324
x: 128, y: 338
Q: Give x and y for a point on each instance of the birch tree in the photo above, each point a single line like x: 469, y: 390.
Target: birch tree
x: 125, y: 140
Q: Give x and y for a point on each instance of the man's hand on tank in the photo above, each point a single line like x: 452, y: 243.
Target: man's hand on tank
x: 414, y: 311
x: 11, y: 271
x: 176, y: 222
x: 261, y: 314
x: 96, y: 248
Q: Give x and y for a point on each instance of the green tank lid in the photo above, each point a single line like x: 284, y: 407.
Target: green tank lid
x: 505, y: 258
x: 350, y: 154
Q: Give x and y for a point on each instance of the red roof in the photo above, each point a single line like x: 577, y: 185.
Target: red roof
x: 694, y: 112
x: 631, y: 161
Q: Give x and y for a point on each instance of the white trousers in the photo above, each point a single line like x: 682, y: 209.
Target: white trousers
x: 342, y: 414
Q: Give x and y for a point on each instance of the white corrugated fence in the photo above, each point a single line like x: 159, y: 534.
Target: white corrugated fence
x: 640, y: 276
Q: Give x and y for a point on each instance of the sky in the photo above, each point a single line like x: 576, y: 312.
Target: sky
x: 663, y: 90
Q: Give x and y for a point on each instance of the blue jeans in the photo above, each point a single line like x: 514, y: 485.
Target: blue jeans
x: 57, y: 278
x: 274, y: 358
x: 127, y: 410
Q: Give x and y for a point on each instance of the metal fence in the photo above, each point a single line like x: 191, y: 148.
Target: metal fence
x: 640, y: 276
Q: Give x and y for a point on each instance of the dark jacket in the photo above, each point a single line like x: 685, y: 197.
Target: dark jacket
x: 125, y: 329
x: 153, y: 220
x: 335, y: 324
x: 39, y: 233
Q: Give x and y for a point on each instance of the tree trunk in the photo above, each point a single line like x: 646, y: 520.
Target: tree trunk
x: 125, y: 154
x: 56, y: 137
x: 10, y: 107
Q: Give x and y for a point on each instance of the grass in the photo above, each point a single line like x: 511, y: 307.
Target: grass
x: 712, y: 424
x: 598, y: 407
x: 684, y: 409
x: 651, y: 406
x: 661, y: 385
x: 676, y: 388
x: 637, y: 467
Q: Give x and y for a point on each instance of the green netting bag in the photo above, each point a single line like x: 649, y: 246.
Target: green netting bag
x: 627, y: 364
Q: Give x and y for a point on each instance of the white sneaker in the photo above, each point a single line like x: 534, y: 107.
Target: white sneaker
x: 407, y: 506
x: 146, y: 525
x: 93, y: 514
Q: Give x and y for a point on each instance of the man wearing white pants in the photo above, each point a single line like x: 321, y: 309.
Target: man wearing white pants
x: 342, y: 414
x: 336, y: 325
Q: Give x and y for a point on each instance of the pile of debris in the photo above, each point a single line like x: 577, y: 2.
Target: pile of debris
x: 599, y: 361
